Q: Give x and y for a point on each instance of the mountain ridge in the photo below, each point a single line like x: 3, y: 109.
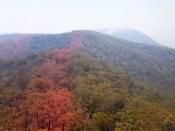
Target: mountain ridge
x: 139, y: 60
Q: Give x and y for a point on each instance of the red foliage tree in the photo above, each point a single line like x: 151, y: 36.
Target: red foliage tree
x: 54, y: 109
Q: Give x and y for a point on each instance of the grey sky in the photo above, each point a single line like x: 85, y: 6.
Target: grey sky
x: 153, y: 17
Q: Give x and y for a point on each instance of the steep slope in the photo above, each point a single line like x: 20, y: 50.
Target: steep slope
x: 130, y: 35
x: 150, y: 64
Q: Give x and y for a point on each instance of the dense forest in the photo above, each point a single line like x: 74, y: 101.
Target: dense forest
x: 85, y: 81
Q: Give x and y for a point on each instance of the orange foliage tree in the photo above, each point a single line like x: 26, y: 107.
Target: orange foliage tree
x: 50, y: 105
x: 55, y: 69
x: 55, y: 109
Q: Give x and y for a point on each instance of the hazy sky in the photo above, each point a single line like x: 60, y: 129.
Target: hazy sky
x: 153, y: 17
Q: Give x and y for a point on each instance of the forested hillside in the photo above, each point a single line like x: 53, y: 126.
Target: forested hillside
x: 151, y: 64
x: 26, y: 44
x: 85, y: 81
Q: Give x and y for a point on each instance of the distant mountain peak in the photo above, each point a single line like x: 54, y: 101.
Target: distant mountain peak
x: 129, y: 34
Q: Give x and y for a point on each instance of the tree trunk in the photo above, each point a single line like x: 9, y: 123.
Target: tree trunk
x: 25, y: 122
x: 63, y: 128
x: 49, y: 126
